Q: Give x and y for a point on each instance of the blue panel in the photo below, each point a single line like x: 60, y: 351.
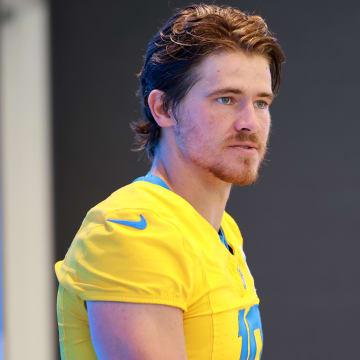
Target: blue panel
x: 243, y: 332
x: 254, y: 321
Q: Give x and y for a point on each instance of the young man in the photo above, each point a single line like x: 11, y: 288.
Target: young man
x: 157, y: 270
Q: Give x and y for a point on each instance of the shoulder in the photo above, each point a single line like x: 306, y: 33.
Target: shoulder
x: 139, y: 212
x: 129, y: 241
x: 133, y: 199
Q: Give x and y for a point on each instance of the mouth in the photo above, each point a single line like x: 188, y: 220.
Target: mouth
x: 245, y: 149
x: 245, y: 146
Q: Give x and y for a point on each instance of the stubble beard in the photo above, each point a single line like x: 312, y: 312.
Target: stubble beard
x: 245, y: 174
x: 246, y: 169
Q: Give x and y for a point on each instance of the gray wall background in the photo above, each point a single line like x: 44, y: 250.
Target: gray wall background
x: 299, y: 221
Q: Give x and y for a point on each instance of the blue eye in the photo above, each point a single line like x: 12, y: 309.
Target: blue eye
x: 226, y: 100
x: 260, y: 104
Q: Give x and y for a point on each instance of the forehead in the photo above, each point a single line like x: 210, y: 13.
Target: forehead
x: 237, y: 69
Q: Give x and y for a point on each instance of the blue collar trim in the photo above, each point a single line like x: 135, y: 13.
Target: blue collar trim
x: 153, y: 179
x: 222, y: 238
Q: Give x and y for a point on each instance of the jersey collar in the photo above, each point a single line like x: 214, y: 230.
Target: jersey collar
x: 153, y: 179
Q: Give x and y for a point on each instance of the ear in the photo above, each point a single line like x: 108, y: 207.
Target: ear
x: 156, y: 105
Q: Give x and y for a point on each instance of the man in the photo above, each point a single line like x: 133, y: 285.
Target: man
x: 157, y: 270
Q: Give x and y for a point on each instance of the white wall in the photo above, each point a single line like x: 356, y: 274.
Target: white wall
x: 26, y: 182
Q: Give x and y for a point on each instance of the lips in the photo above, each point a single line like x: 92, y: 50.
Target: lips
x: 245, y: 146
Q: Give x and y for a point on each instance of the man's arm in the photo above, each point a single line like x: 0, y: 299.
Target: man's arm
x: 133, y: 331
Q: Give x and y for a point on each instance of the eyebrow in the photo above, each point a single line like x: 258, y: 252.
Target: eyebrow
x: 227, y: 90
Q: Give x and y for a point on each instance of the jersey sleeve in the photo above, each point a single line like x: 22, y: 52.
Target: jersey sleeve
x: 111, y: 261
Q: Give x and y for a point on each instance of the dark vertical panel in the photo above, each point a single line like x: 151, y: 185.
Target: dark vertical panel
x: 300, y: 221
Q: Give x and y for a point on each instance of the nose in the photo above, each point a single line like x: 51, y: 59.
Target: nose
x: 246, y: 118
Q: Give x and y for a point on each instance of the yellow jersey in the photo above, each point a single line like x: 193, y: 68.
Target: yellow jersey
x: 146, y: 244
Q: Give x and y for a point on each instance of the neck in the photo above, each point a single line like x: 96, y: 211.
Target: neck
x: 206, y: 193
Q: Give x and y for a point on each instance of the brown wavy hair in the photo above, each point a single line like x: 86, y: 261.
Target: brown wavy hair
x: 189, y: 35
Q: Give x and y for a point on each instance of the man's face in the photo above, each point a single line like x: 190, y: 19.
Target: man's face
x: 223, y: 122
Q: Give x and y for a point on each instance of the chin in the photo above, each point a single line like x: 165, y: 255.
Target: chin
x: 245, y: 176
x: 242, y: 179
x: 245, y: 180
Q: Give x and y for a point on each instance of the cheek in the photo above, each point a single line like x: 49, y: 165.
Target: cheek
x: 201, y: 126
x: 204, y: 123
x: 266, y: 125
